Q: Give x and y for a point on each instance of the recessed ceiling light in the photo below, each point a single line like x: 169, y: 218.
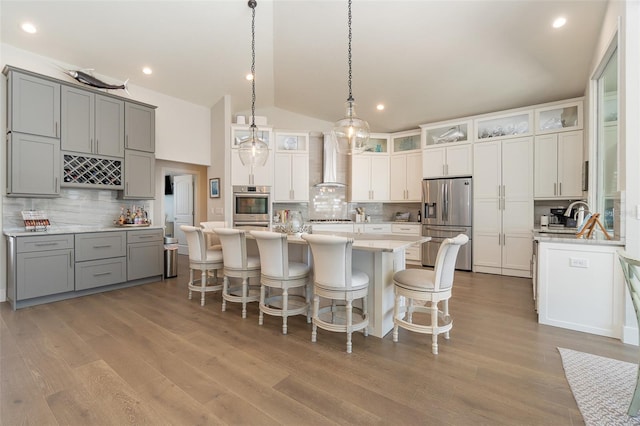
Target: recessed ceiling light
x: 28, y: 27
x: 380, y: 107
x: 147, y: 70
x: 559, y: 22
x: 249, y: 77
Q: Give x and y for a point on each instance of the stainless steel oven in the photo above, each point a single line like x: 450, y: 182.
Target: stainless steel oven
x: 251, y: 205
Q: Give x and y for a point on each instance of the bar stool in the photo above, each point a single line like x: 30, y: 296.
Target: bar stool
x: 200, y: 258
x: 238, y: 265
x: 428, y: 286
x: 213, y: 242
x: 334, y: 279
x: 278, y: 273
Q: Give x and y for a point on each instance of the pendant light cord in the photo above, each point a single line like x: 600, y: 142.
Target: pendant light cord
x: 350, y: 99
x: 252, y: 5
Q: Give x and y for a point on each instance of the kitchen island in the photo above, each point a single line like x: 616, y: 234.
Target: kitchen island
x: 380, y: 256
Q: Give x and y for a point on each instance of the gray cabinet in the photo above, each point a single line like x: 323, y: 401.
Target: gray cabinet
x: 139, y: 175
x: 100, y: 259
x: 140, y: 127
x: 92, y: 123
x: 33, y: 104
x: 33, y: 165
x: 144, y: 254
x: 43, y: 266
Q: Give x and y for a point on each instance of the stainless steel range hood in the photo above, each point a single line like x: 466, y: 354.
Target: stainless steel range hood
x: 329, y: 165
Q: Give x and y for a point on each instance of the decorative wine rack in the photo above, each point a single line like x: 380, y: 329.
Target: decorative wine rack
x: 84, y: 171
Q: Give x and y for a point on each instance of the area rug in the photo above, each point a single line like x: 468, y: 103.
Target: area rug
x: 601, y: 386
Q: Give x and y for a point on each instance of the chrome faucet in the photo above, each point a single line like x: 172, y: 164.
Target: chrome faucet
x: 581, y: 211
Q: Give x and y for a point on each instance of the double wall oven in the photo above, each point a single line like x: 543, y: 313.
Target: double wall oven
x: 251, y: 206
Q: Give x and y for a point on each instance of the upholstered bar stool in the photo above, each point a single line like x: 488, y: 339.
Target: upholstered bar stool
x: 238, y: 265
x: 428, y: 286
x: 202, y: 259
x: 631, y: 271
x: 277, y: 273
x: 336, y: 280
x: 213, y: 242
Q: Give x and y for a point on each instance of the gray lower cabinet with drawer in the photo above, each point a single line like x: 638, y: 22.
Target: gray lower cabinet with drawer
x: 39, y: 266
x: 100, y: 259
x: 144, y: 253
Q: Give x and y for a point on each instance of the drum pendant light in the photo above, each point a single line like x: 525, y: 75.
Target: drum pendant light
x: 350, y: 133
x: 253, y: 151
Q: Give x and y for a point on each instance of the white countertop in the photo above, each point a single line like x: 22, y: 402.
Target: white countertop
x: 78, y: 229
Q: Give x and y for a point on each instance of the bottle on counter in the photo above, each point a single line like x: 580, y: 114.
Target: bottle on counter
x: 419, y: 216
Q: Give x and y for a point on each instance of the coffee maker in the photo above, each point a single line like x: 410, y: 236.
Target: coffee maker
x: 557, y: 217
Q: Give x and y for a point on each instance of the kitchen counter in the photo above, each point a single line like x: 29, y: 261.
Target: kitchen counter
x: 79, y: 229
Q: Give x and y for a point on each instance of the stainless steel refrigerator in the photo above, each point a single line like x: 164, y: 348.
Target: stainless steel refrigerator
x: 447, y: 212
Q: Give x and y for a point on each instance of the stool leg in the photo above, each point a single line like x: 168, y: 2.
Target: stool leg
x: 261, y: 315
x: 434, y: 328
x: 349, y: 324
x: 445, y: 311
x: 365, y: 314
x: 190, y: 282
x: 245, y: 285
x: 314, y: 327
x: 409, y: 301
x: 285, y: 306
x: 225, y: 290
x: 307, y: 298
x: 395, y: 316
x: 203, y: 285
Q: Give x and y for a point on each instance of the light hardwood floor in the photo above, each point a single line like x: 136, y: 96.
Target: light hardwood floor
x: 148, y: 355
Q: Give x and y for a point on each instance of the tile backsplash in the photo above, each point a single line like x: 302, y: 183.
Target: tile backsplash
x: 74, y: 207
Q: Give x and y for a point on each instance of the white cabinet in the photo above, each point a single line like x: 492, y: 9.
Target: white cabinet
x: 559, y: 117
x: 291, y: 167
x: 558, y: 165
x: 332, y: 227
x: 243, y: 175
x: 372, y: 228
x: 504, y: 126
x: 581, y: 288
x: 412, y: 254
x: 503, y: 207
x: 369, y: 177
x: 405, y: 167
x: 442, y: 161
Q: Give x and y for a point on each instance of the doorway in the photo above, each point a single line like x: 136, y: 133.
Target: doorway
x: 179, y: 207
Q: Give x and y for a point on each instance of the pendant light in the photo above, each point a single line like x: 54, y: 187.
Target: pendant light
x: 253, y: 151
x: 350, y: 133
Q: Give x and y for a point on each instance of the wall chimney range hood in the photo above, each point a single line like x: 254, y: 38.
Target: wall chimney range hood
x: 329, y: 164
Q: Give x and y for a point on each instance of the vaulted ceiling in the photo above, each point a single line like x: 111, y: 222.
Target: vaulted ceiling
x: 426, y: 60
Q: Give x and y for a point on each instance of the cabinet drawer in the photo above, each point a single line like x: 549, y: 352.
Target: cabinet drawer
x: 144, y: 236
x: 44, y: 242
x: 100, y: 245
x: 98, y: 273
x: 409, y: 229
x: 384, y: 228
x: 412, y: 253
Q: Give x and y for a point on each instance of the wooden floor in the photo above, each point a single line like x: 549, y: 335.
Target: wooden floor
x: 148, y: 355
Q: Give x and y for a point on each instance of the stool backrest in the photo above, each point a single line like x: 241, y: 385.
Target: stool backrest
x: 631, y: 271
x: 212, y: 237
x: 445, y: 265
x: 234, y: 247
x: 274, y: 253
x: 195, y: 242
x: 331, y: 259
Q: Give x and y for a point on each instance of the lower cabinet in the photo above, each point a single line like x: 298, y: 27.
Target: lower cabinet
x: 144, y: 254
x: 100, y: 259
x: 412, y: 254
x: 40, y: 266
x: 45, y: 268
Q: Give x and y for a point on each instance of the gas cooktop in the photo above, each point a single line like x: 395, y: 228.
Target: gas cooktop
x: 330, y: 221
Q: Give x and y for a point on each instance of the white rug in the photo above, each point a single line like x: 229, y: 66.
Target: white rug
x: 601, y: 386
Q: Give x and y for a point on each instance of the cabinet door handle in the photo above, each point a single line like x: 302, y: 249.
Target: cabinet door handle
x: 560, y: 188
x: 554, y: 189
x: 57, y: 187
x: 126, y: 141
x: 444, y: 173
x: 97, y: 146
x: 126, y: 190
x: 146, y: 236
x: 102, y: 246
x: 45, y: 244
x: 55, y: 128
x: 97, y: 274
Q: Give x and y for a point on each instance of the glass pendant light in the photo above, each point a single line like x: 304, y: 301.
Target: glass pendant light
x: 350, y: 133
x: 253, y: 150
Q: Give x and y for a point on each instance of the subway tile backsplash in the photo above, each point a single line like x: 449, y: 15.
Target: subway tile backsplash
x: 74, y: 207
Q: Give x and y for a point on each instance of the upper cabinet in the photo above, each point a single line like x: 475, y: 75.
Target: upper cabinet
x: 447, y: 149
x: 504, y: 126
x: 240, y: 132
x: 405, y: 141
x: 451, y: 132
x: 140, y: 127
x: 33, y: 166
x: 378, y: 143
x: 559, y: 118
x: 291, y: 171
x: 405, y: 171
x: 92, y: 123
x: 244, y: 175
x: 34, y: 104
x: 558, y: 165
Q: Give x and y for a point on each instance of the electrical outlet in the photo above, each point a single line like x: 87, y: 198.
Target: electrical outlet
x: 219, y: 210
x: 579, y: 262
